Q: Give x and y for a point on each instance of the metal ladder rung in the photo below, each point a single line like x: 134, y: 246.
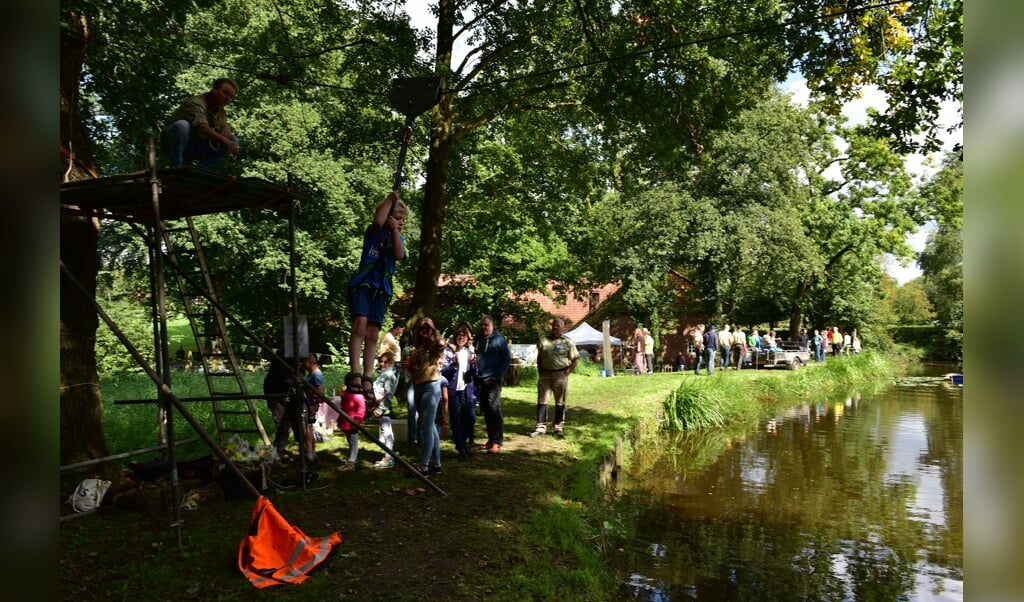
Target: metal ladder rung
x: 222, y: 374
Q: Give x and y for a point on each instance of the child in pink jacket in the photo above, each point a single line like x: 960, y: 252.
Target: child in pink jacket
x: 353, y: 403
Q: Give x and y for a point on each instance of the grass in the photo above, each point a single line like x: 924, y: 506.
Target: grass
x: 747, y: 395
x: 530, y: 523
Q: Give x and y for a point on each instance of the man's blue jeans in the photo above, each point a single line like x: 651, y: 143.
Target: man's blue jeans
x: 176, y: 141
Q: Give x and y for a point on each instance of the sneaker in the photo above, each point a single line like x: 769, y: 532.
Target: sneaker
x: 420, y: 470
x: 559, y: 433
x: 384, y: 463
x: 495, y: 449
x: 537, y: 433
x: 347, y: 466
x: 434, y: 469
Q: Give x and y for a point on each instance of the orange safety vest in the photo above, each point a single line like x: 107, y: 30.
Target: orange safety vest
x: 276, y: 552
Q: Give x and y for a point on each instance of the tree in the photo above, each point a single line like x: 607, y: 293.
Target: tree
x: 80, y: 404
x: 913, y: 51
x: 626, y: 64
x: 941, y: 261
x: 515, y: 209
x: 804, y: 203
x: 910, y: 304
x: 117, y: 62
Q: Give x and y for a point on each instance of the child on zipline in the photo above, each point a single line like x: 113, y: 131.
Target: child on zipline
x: 370, y: 289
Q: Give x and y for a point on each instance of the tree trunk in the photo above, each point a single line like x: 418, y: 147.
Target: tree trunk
x: 435, y: 203
x: 435, y: 198
x: 795, y: 313
x: 81, y: 405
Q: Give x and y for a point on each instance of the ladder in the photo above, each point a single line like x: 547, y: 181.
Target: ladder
x: 233, y: 408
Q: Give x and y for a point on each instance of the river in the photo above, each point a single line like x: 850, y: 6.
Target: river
x: 852, y: 497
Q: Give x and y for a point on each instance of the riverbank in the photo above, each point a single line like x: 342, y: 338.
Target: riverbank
x: 524, y: 524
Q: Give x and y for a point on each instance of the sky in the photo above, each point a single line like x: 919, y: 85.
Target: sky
x: 856, y: 111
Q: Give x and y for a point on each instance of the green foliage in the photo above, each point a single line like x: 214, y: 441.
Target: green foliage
x: 913, y: 51
x: 942, y: 259
x: 911, y: 304
x: 695, y: 406
x: 930, y: 341
x: 777, y: 223
x: 134, y: 321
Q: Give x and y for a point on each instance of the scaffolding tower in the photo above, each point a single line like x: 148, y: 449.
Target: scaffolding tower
x: 159, y: 205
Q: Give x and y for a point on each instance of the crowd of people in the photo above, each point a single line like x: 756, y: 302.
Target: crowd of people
x: 733, y: 347
x: 448, y: 379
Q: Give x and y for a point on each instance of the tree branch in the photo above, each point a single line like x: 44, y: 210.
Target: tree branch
x: 512, y: 103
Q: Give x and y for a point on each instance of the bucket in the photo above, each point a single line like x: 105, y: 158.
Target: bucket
x: 400, y: 428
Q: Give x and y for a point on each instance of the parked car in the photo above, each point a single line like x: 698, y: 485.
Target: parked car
x: 788, y: 355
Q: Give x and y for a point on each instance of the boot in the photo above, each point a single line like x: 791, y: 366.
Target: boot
x: 542, y: 418
x: 559, y: 419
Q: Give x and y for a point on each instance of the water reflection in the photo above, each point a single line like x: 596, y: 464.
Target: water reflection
x: 838, y: 499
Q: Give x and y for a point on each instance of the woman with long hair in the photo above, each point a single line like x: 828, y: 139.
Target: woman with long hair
x: 423, y: 363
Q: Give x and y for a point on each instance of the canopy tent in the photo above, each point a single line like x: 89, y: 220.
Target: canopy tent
x: 585, y: 334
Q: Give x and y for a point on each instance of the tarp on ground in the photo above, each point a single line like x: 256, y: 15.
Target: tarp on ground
x: 585, y: 334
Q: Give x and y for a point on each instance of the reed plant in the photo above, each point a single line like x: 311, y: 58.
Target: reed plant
x: 747, y: 396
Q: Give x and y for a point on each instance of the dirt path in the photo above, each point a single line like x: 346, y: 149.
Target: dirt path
x: 403, y: 540
x: 408, y: 542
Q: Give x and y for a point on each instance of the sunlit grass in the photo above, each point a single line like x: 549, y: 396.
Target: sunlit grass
x: 747, y: 395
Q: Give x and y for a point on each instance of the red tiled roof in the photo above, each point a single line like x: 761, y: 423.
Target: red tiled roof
x: 575, y: 308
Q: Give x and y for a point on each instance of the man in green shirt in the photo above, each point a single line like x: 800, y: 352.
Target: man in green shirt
x: 556, y: 359
x: 198, y: 130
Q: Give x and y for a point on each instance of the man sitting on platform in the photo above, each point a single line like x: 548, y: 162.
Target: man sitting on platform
x: 198, y: 130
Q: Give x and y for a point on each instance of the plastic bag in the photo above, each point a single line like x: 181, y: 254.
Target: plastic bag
x: 88, y: 495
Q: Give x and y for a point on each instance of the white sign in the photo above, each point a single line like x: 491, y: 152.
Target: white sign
x: 303, y: 335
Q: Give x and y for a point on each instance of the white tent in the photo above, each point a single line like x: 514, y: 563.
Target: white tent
x: 585, y: 334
